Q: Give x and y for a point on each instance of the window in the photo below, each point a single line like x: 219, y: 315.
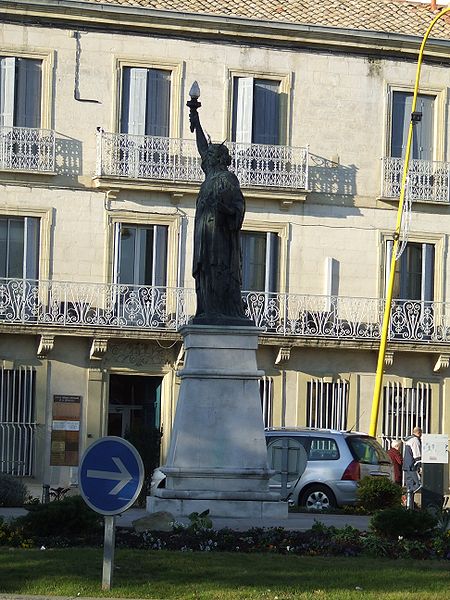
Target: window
x: 257, y: 111
x: 327, y: 404
x: 405, y: 408
x: 17, y: 425
x: 20, y: 92
x: 260, y: 258
x: 414, y: 275
x: 422, y: 143
x: 141, y: 254
x: 146, y: 96
x: 323, y: 449
x: 19, y: 247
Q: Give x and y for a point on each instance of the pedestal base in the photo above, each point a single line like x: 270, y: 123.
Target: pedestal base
x: 217, y: 458
x: 238, y: 509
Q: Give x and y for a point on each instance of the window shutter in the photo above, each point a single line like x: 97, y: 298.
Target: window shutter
x: 7, y: 75
x: 137, y: 94
x: 117, y: 236
x: 387, y: 264
x: 28, y: 93
x: 158, y: 103
x: 401, y: 116
x: 272, y: 252
x: 424, y: 128
x: 266, y: 113
x: 160, y: 255
x: 31, y: 250
x: 244, y: 110
x: 427, y: 272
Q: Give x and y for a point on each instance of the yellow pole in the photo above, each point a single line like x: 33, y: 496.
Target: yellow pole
x: 389, y: 292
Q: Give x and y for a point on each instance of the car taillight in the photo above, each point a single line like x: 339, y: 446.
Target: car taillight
x: 352, y: 472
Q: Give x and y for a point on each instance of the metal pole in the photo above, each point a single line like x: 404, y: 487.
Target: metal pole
x: 389, y: 292
x: 108, y: 552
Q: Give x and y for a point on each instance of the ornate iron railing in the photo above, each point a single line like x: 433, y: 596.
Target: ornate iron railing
x: 27, y: 149
x: 119, y: 306
x: 428, y: 181
x: 173, y: 159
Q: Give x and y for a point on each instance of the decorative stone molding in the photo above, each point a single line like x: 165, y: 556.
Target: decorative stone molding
x: 283, y: 356
x: 98, y: 350
x: 442, y: 362
x: 46, y: 344
x: 389, y: 358
x: 137, y: 354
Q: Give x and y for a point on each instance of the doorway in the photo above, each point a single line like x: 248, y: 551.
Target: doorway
x: 134, y: 413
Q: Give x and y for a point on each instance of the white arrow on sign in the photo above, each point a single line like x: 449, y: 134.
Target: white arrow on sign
x: 123, y: 477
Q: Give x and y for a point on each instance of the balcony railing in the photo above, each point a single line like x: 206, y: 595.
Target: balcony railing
x: 27, y: 149
x: 177, y: 160
x: 118, y: 306
x: 428, y: 181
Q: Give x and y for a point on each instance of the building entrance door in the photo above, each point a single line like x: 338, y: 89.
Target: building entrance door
x: 134, y: 413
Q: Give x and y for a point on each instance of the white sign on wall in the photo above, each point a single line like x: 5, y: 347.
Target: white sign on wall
x: 435, y: 448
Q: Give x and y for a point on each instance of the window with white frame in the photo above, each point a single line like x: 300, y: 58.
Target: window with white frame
x: 141, y: 254
x: 20, y: 92
x: 414, y: 274
x: 19, y: 247
x: 257, y: 110
x: 146, y: 97
x: 260, y: 261
x: 405, y: 408
x: 17, y: 424
x: 327, y: 404
x: 423, y: 133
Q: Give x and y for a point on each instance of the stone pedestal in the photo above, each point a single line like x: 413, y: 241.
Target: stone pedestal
x: 217, y: 458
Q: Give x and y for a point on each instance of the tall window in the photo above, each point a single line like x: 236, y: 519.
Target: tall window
x: 260, y: 258
x: 145, y: 101
x: 327, y: 404
x: 405, y: 408
x: 141, y: 254
x: 19, y: 247
x: 414, y: 276
x: 17, y: 425
x: 20, y: 92
x: 256, y: 111
x: 422, y: 144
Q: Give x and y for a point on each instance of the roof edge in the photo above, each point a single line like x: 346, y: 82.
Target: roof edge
x: 86, y: 15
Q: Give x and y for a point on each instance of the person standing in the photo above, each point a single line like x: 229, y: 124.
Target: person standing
x: 414, y: 444
x: 397, y: 460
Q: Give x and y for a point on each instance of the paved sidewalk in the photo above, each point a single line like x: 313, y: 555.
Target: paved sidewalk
x: 295, y: 521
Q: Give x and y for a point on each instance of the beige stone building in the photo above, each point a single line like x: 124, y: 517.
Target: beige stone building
x: 98, y: 180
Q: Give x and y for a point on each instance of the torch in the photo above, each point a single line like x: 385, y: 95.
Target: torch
x: 193, y: 103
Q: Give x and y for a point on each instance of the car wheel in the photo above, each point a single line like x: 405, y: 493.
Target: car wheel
x: 318, y: 497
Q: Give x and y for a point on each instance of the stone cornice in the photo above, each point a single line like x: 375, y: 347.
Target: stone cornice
x: 84, y: 15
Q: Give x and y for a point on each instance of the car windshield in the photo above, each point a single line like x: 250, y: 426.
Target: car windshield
x: 367, y: 450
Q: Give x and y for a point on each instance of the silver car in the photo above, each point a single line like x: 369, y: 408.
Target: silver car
x: 320, y: 468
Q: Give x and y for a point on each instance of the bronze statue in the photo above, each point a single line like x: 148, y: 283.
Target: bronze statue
x: 220, y: 209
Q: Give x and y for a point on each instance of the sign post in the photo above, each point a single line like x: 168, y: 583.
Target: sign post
x: 110, y: 477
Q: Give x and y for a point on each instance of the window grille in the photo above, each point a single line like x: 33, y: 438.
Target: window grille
x: 327, y: 404
x: 17, y: 425
x: 403, y: 409
x: 266, y: 393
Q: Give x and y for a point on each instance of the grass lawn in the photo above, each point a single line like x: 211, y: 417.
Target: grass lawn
x: 168, y: 575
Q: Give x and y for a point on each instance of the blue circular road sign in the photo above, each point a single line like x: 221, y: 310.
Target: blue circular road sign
x: 110, y: 475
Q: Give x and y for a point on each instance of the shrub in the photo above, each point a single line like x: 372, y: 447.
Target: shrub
x: 12, y: 536
x: 68, y: 517
x: 13, y: 492
x: 375, y: 493
x: 403, y: 523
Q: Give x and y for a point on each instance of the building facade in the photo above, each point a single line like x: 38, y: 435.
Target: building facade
x: 98, y: 180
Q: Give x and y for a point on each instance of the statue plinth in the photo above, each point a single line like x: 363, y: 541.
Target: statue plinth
x: 218, y: 458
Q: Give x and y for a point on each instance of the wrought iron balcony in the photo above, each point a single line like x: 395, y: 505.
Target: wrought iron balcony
x: 144, y: 308
x: 27, y: 149
x: 428, y: 181
x: 176, y: 160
